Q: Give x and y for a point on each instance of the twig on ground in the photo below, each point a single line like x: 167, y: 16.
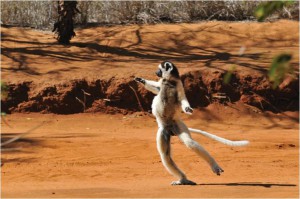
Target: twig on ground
x: 85, y: 93
x: 253, y: 108
x: 10, y: 149
x: 21, y: 135
x: 207, y: 98
x: 83, y: 103
x: 276, y: 109
x: 221, y: 96
x: 5, y: 122
x: 84, y: 99
x: 111, y: 100
x: 139, y: 102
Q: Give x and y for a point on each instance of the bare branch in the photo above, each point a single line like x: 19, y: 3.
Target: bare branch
x: 21, y: 135
x: 139, y: 102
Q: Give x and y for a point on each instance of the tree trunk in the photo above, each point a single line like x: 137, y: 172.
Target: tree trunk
x: 64, y: 27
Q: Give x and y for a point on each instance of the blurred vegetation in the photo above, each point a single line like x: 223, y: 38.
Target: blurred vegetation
x: 4, y: 90
x: 280, y: 68
x: 227, y: 76
x: 266, y: 9
x: 43, y: 14
x: 4, y: 94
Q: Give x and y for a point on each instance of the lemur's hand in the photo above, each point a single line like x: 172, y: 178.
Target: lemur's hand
x: 188, y: 110
x: 140, y: 80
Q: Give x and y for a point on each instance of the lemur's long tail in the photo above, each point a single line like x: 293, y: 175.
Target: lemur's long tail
x: 220, y: 139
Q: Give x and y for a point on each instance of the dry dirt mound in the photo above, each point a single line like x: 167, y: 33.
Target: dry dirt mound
x: 124, y: 95
x: 43, y: 76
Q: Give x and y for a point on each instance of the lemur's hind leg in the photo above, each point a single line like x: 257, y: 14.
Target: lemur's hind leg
x: 164, y: 149
x: 186, y: 138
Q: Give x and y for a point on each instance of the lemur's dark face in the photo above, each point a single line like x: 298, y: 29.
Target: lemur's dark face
x: 167, y: 69
x: 159, y: 73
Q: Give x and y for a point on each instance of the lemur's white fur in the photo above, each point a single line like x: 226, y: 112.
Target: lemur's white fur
x: 220, y: 139
x: 170, y: 97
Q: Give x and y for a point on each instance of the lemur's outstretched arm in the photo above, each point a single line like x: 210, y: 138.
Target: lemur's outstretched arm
x: 185, y: 105
x: 152, y: 86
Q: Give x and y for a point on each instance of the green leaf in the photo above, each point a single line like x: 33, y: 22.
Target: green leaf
x: 266, y: 9
x: 228, y: 75
x: 279, y: 68
x: 3, y: 90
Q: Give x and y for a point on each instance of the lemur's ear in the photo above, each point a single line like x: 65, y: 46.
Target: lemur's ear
x: 168, y: 66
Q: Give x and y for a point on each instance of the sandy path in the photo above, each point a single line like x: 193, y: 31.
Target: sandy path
x: 96, y: 155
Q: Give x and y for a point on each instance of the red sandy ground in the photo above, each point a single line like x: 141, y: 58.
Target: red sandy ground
x: 98, y: 155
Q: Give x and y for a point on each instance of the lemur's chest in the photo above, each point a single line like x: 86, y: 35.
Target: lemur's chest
x: 168, y: 93
x: 166, y: 103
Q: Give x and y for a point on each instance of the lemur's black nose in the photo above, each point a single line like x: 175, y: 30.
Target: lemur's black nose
x: 158, y: 73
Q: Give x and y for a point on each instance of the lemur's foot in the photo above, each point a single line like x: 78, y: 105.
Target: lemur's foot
x: 183, y: 182
x: 217, y: 170
x: 188, y: 110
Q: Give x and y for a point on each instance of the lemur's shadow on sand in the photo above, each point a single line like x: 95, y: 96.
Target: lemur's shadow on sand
x: 266, y: 185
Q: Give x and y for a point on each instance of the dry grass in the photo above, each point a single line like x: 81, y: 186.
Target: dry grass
x: 42, y: 14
